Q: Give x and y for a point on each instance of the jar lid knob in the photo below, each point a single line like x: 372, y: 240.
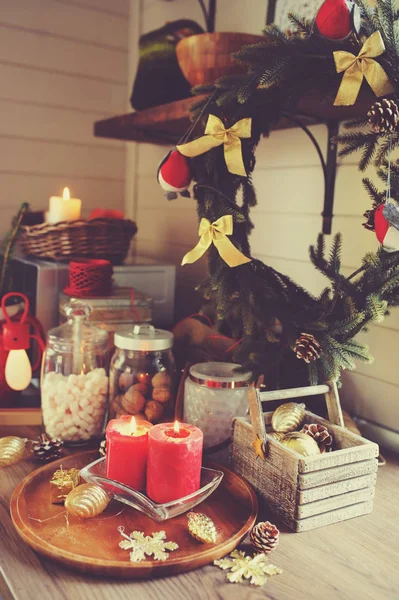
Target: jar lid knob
x: 144, y: 328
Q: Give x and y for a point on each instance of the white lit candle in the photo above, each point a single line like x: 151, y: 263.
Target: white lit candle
x: 63, y: 208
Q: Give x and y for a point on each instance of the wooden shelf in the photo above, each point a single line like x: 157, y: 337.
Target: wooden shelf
x: 158, y: 125
x: 167, y: 123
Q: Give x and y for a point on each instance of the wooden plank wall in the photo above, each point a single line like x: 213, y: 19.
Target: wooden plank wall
x: 63, y: 64
x: 287, y: 219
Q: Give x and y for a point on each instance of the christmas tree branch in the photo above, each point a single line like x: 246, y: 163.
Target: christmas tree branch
x: 10, y: 243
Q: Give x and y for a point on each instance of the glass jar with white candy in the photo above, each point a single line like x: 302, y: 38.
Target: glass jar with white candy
x: 74, y: 382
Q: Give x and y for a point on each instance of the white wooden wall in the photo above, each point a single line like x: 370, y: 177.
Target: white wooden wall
x: 287, y: 219
x: 63, y: 65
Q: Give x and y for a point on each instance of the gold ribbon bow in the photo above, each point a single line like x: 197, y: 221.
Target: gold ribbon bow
x: 215, y: 135
x: 357, y: 67
x: 217, y: 233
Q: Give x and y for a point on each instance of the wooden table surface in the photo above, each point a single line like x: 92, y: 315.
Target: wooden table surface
x: 353, y: 560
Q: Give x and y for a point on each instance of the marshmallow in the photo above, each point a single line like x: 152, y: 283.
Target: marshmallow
x: 74, y: 405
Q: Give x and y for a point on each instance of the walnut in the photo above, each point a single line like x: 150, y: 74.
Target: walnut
x: 125, y: 381
x: 140, y: 419
x: 161, y: 379
x: 133, y: 402
x: 121, y: 412
x: 141, y: 387
x: 154, y: 411
x: 115, y: 404
x: 161, y: 394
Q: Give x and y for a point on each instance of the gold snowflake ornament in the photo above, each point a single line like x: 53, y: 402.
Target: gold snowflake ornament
x: 146, y: 545
x: 256, y: 569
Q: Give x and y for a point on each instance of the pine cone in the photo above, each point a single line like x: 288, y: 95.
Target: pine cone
x: 264, y: 537
x: 384, y: 115
x: 320, y: 434
x: 369, y: 215
x: 47, y: 449
x: 307, y: 347
x: 102, y: 450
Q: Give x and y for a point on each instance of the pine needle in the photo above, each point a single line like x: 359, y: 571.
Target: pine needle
x: 9, y: 244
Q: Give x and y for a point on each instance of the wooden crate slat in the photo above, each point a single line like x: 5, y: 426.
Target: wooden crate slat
x: 337, y: 458
x: 334, y: 516
x: 335, y: 489
x: 328, y: 504
x: 327, y: 476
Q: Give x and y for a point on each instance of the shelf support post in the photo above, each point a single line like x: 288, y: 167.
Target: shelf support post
x: 330, y: 175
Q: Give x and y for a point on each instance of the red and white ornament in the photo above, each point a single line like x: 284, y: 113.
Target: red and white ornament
x: 174, y: 174
x: 386, y: 233
x: 337, y: 19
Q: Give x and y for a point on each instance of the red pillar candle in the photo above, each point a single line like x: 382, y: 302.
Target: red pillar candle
x: 127, y: 451
x: 174, y: 461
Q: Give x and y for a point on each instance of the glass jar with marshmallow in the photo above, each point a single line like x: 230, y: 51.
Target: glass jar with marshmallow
x: 74, y: 381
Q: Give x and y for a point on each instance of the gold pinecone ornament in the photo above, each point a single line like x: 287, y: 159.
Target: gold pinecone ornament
x: 383, y: 116
x: 102, y: 449
x: 47, y: 449
x: 320, y: 434
x: 264, y: 537
x: 201, y: 528
x: 307, y: 347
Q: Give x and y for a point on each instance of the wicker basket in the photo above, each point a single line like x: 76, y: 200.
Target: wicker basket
x: 96, y: 238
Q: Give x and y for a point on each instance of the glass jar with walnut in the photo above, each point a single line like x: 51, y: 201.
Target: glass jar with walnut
x: 142, y: 374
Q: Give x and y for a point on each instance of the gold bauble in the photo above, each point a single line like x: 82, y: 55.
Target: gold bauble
x: 276, y: 435
x: 201, y: 528
x: 288, y: 417
x: 87, y: 500
x: 301, y: 443
x: 12, y: 449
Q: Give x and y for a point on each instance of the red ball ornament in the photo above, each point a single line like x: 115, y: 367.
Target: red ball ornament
x: 336, y: 19
x: 174, y: 174
x: 381, y: 225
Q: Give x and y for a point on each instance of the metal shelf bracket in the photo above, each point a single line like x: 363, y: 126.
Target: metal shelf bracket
x: 329, y: 166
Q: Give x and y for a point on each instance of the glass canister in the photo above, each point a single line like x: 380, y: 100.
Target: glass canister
x: 142, y: 374
x: 74, y: 382
x: 215, y: 393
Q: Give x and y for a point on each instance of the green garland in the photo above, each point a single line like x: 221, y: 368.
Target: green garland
x: 254, y: 302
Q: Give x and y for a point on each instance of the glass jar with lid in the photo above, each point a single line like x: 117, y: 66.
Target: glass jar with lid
x: 215, y: 393
x: 74, y: 381
x: 142, y: 374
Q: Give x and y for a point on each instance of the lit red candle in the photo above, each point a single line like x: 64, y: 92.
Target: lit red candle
x: 174, y: 461
x: 127, y: 451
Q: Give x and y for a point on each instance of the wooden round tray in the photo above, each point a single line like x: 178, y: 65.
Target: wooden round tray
x: 93, y: 545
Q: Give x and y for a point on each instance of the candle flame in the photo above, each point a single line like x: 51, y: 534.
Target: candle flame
x: 176, y: 427
x: 133, y: 426
x: 66, y: 195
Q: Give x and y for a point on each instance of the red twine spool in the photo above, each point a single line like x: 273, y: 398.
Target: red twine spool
x: 89, y: 278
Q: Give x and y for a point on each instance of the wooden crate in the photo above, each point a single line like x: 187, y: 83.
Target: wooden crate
x: 309, y: 492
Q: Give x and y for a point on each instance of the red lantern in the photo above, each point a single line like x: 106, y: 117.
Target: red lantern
x: 337, y: 19
x: 15, y: 340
